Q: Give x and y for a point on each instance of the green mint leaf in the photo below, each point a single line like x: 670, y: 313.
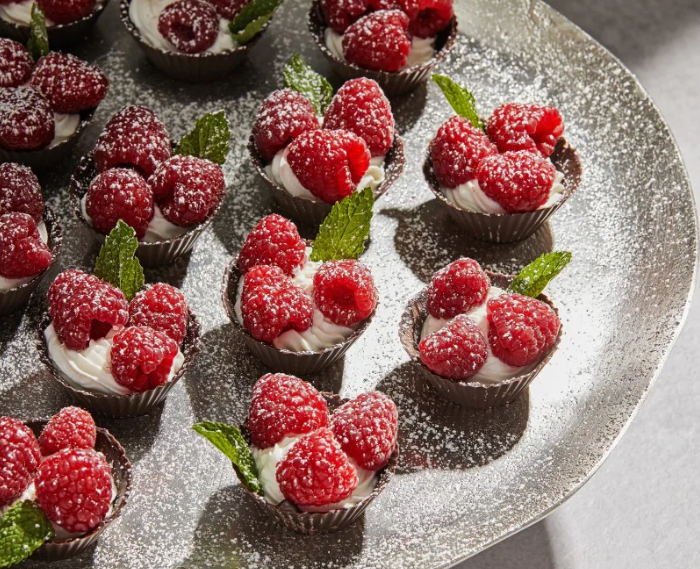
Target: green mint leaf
x: 23, y: 529
x: 117, y: 263
x: 300, y: 77
x: 460, y: 98
x: 229, y: 440
x: 253, y: 10
x: 38, y: 44
x: 343, y: 233
x: 208, y: 139
x: 532, y: 280
x: 251, y: 30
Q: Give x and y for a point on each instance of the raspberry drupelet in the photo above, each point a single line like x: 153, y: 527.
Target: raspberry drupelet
x: 273, y: 241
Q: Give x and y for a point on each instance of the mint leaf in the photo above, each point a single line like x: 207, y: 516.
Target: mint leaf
x: 251, y: 30
x: 116, y: 262
x: 38, y: 44
x: 23, y: 529
x: 208, y: 139
x: 229, y: 440
x: 532, y: 280
x: 253, y: 10
x: 300, y: 77
x: 343, y: 233
x: 460, y: 98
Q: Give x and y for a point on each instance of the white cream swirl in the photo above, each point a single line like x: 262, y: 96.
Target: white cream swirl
x: 8, y: 283
x: 20, y: 13
x: 65, y: 125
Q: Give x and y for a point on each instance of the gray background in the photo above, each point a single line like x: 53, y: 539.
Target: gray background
x: 641, y: 509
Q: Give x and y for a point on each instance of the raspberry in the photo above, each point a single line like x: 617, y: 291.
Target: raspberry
x: 20, y: 191
x: 120, y: 194
x: 366, y: 429
x: 15, y: 63
x: 329, y: 163
x: 142, y: 358
x: 456, y: 288
x: 340, y: 14
x: 228, y: 9
x: 456, y: 151
x: 66, y: 11
x: 282, y: 406
x: 192, y: 26
x: 16, y: 437
x: 282, y: 117
x: 70, y: 84
x: 133, y: 137
x: 379, y: 41
x: 273, y: 241
x: 26, y: 119
x: 71, y: 427
x: 519, y: 126
x: 271, y: 304
x: 344, y: 291
x: 161, y: 307
x: 74, y: 488
x: 14, y: 478
x: 456, y: 351
x: 83, y: 307
x: 518, y: 181
x: 361, y: 107
x: 187, y: 189
x: 428, y: 17
x: 22, y: 252
x: 521, y: 329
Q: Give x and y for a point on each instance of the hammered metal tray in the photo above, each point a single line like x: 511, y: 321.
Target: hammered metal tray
x: 466, y: 479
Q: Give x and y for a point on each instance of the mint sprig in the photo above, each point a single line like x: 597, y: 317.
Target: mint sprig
x: 251, y: 19
x: 251, y: 30
x: 208, y: 139
x: 343, y: 233
x: 229, y: 440
x: 117, y: 263
x: 23, y: 529
x: 533, y: 279
x: 461, y: 100
x: 300, y: 76
x: 38, y: 44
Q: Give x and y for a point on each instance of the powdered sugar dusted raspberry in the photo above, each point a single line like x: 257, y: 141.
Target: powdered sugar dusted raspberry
x: 26, y: 119
x: 20, y: 191
x: 14, y: 478
x: 228, y: 9
x: 456, y: 288
x: 15, y: 436
x: 341, y: 13
x: 15, y: 63
x: 161, y: 307
x: 71, y: 427
x: 190, y: 25
x: 22, y: 252
x: 520, y: 126
x: 273, y: 241
x: 428, y: 17
x: 379, y: 41
x: 344, y: 291
x: 66, y: 11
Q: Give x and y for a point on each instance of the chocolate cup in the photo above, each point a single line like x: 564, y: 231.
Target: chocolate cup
x: 393, y: 83
x: 120, y: 406
x: 122, y: 476
x: 286, y: 361
x: 313, y: 213
x: 472, y: 394
x: 15, y: 298
x: 191, y: 67
x: 313, y: 523
x: 509, y: 227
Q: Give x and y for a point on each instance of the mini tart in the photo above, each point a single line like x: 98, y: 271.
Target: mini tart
x: 472, y: 394
x: 303, y: 210
x: 15, y: 298
x: 393, y: 83
x: 509, y: 227
x: 130, y: 405
x: 291, y: 517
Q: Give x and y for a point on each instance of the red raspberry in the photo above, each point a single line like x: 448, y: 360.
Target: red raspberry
x: 379, y: 41
x: 142, y: 358
x: 16, y: 437
x: 344, y: 291
x: 519, y: 126
x: 521, y: 329
x: 329, y: 163
x: 187, y: 189
x: 14, y: 478
x: 340, y: 14
x: 22, y: 252
x: 228, y: 9
x: 74, y: 488
x: 456, y: 351
x: 120, y: 194
x: 66, y: 11
x: 457, y: 288
x: 15, y: 63
x: 20, y: 191
x: 428, y: 17
x: 518, y: 181
x: 271, y: 304
x: 26, y: 119
x: 83, y: 307
x: 361, y: 107
x: 366, y: 429
x: 133, y: 137
x: 192, y: 26
x: 282, y: 117
x: 282, y: 406
x: 456, y: 151
x: 161, y: 307
x: 71, y: 427
x: 273, y: 241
